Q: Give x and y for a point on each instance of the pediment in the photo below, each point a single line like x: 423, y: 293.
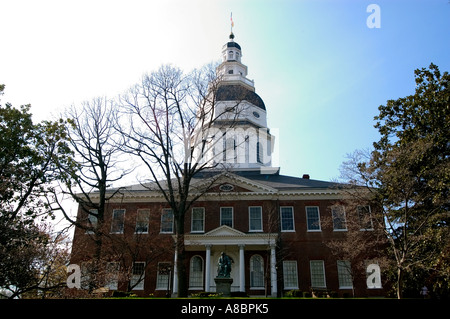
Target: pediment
x: 239, y: 184
x: 224, y: 231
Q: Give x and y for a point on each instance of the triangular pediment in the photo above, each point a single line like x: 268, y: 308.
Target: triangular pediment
x: 224, y: 231
x: 240, y: 184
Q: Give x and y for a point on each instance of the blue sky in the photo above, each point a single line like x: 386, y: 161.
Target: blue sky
x: 320, y: 70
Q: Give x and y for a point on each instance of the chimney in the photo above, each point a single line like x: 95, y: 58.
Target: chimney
x: 305, y: 176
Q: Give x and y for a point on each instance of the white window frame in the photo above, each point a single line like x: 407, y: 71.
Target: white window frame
x: 369, y: 211
x: 92, y: 220
x: 194, y: 285
x: 258, y: 272
x: 250, y: 219
x: 136, y: 231
x: 203, y: 220
x: 112, y: 275
x: 281, y: 219
x: 338, y: 212
x: 123, y: 221
x: 314, y: 271
x: 162, y: 280
x: 318, y: 219
x: 344, y: 274
x: 290, y: 270
x: 163, y: 214
x: 232, y: 216
x: 138, y: 278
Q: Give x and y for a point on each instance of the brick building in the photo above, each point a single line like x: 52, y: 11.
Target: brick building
x: 272, y: 226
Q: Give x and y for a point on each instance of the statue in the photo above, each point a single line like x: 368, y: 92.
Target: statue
x: 224, y: 266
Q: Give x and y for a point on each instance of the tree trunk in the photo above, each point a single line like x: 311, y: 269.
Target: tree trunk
x: 399, y: 282
x: 181, y: 257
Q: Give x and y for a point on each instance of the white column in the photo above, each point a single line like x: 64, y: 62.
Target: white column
x: 273, y: 270
x: 241, y: 268
x: 175, y: 275
x: 208, y: 268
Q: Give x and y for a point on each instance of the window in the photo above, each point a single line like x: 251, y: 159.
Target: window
x: 339, y: 222
x: 229, y: 149
x: 255, y: 218
x: 230, y: 55
x: 312, y: 218
x: 117, y: 221
x: 142, y: 219
x: 290, y: 276
x: 196, y: 273
x: 167, y: 221
x: 256, y: 272
x: 287, y: 218
x: 317, y: 269
x: 259, y: 153
x: 86, y: 274
x: 92, y: 221
x: 230, y: 71
x: 365, y: 218
x: 226, y: 216
x: 198, y: 220
x: 344, y: 274
x: 163, y: 276
x: 137, y: 275
x: 112, y: 275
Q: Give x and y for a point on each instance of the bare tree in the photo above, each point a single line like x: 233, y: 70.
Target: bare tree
x: 173, y: 124
x: 96, y: 165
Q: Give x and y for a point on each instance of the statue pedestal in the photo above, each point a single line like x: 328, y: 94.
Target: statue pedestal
x: 223, y: 286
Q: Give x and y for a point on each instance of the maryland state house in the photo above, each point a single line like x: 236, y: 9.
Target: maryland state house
x: 276, y: 229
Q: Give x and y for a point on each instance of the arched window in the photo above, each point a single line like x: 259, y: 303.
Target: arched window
x: 256, y: 272
x: 196, y: 273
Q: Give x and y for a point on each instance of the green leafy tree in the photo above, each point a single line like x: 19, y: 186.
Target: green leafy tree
x: 27, y: 170
x: 408, y: 175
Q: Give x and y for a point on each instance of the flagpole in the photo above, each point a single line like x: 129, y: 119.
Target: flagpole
x: 232, y: 23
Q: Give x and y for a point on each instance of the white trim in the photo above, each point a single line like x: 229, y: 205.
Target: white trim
x: 225, y: 235
x: 232, y: 216
x: 342, y: 210
x: 285, y: 263
x: 192, y: 221
x: 249, y: 220
x: 293, y: 221
x: 323, y: 272
x: 200, y: 287
x: 161, y: 224
x: 140, y: 285
x: 148, y: 221
x: 112, y: 221
x: 318, y: 217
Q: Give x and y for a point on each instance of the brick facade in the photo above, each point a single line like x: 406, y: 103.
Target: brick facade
x: 296, y: 247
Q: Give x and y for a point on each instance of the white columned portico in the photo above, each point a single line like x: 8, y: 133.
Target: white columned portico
x: 273, y: 270
x: 241, y: 268
x: 208, y: 268
x: 234, y: 243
